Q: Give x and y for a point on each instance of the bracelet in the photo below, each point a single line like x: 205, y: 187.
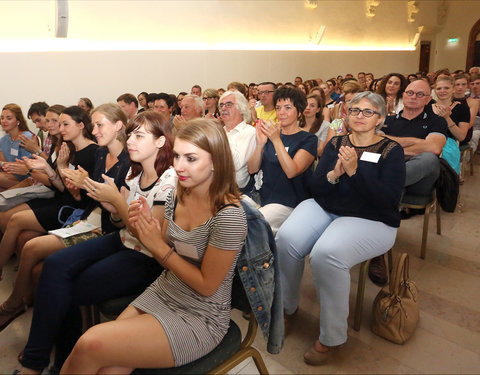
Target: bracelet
x: 165, y: 258
x: 115, y: 221
x: 333, y: 182
x: 451, y: 126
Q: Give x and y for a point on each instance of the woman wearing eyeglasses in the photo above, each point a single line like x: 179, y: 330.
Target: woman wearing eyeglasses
x: 210, y: 99
x: 353, y: 216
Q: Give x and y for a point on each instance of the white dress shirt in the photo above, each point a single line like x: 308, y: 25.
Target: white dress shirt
x: 242, y: 139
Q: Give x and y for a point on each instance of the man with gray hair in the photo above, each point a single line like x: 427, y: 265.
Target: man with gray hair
x: 192, y: 107
x: 235, y: 114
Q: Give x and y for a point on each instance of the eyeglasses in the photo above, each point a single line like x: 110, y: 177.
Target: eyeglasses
x: 265, y: 92
x: 207, y: 97
x: 226, y: 105
x: 417, y: 94
x: 365, y: 112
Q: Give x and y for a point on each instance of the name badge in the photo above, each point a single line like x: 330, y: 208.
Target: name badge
x: 371, y: 157
x: 14, y: 151
x: 186, y: 250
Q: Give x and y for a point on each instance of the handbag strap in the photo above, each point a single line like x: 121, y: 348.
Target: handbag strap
x: 400, y: 272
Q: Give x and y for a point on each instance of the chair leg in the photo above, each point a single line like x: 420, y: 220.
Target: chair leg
x: 390, y: 262
x: 257, y: 358
x: 360, y: 294
x: 426, y: 217
x: 472, y: 154
x: 438, y: 213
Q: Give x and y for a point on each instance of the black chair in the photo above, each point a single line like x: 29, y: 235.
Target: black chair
x: 231, y: 351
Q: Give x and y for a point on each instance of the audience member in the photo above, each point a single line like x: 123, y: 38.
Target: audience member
x: 312, y: 120
x: 164, y: 105
x: 239, y: 87
x: 36, y: 113
x: 210, y: 100
x: 196, y: 90
x: 13, y: 124
x: 143, y: 101
x: 282, y: 158
x: 235, y: 114
x: 266, y: 111
x: 352, y: 217
x: 129, y: 105
x: 192, y: 107
x: 189, y: 303
x: 85, y: 104
x: 391, y: 88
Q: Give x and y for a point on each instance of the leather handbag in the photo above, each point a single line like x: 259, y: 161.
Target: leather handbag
x: 396, y: 306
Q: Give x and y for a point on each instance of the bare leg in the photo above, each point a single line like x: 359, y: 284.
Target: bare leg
x: 20, y: 221
x: 7, y: 180
x: 120, y: 346
x: 35, y: 251
x: 24, y: 237
x: 6, y: 215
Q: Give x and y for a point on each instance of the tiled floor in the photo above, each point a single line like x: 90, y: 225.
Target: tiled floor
x: 447, y: 340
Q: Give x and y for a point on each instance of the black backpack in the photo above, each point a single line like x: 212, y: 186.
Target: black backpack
x: 447, y: 187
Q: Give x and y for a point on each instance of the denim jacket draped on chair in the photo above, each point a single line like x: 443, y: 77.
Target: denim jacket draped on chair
x: 259, y: 273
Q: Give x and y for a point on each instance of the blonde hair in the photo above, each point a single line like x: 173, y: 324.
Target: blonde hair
x: 209, y: 137
x: 114, y: 113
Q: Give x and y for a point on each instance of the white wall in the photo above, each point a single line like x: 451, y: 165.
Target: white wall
x: 63, y: 77
x: 461, y: 17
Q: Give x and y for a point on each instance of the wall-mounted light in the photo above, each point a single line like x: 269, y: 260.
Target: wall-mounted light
x: 311, y: 4
x: 318, y: 36
x: 416, y: 38
x: 412, y: 9
x: 371, y: 7
x: 452, y: 40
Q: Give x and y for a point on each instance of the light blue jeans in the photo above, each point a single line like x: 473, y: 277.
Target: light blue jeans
x: 334, y: 244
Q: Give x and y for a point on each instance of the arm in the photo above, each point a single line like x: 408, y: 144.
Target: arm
x: 215, y: 264
x: 242, y: 148
x: 43, y: 170
x: 473, y: 105
x: 458, y: 130
x: 255, y: 160
x: 31, y: 145
x: 291, y: 166
x: 413, y: 146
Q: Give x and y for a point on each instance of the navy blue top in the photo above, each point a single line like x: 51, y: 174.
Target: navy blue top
x: 372, y: 193
x: 118, y: 172
x: 277, y: 187
x: 419, y: 127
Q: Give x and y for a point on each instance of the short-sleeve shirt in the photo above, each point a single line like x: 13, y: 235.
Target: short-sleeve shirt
x: 266, y: 115
x: 11, y: 149
x: 419, y: 127
x: 460, y: 113
x: 276, y: 186
x: 155, y: 194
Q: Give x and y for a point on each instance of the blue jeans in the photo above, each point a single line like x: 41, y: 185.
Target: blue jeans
x: 334, y: 244
x: 88, y: 273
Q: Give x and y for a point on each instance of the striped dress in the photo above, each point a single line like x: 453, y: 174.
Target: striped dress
x: 195, y: 324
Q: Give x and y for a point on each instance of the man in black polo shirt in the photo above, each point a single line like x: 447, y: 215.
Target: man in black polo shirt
x: 421, y: 134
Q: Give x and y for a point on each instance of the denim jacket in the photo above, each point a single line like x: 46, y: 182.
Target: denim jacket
x: 260, y: 277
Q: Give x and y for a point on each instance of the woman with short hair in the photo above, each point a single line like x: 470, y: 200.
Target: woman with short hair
x: 353, y: 216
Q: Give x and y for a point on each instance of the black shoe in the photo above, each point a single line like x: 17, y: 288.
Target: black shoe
x: 377, y: 271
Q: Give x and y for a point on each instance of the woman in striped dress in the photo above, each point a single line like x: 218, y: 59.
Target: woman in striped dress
x: 185, y: 313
